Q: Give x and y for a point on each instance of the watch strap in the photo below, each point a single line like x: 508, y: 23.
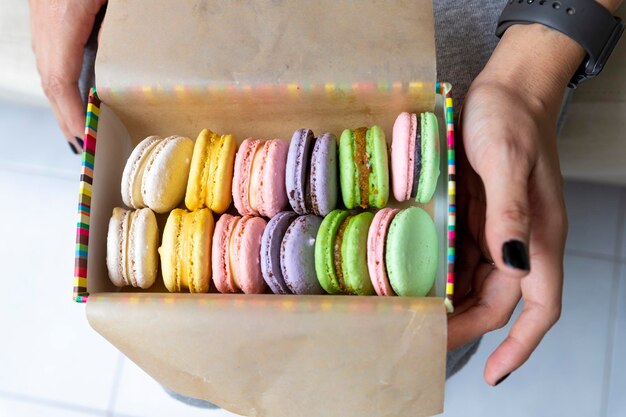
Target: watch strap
x: 585, y: 21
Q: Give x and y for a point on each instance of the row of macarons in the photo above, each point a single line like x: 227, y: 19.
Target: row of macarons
x: 306, y: 175
x: 389, y: 252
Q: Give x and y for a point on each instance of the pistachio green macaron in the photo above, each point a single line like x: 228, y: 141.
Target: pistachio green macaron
x: 352, y: 267
x: 364, y: 168
x: 325, y: 251
x: 412, y: 252
x: 341, y: 253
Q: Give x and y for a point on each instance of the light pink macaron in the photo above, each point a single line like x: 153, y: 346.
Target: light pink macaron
x: 267, y: 186
x: 259, y: 177
x: 245, y: 254
x: 376, y: 246
x: 236, y: 254
x: 241, y: 176
x: 403, y: 155
x: 220, y: 259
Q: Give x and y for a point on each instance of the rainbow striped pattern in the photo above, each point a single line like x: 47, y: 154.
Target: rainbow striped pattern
x: 80, y: 293
x: 444, y: 89
x: 84, y: 199
x: 218, y: 90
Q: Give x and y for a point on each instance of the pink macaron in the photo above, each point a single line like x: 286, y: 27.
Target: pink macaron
x: 267, y: 189
x: 403, y: 155
x: 376, y: 242
x: 245, y: 254
x: 259, y: 177
x: 236, y: 251
x: 241, y: 176
x: 220, y: 259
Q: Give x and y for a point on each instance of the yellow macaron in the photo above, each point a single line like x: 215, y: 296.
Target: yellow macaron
x: 211, y: 172
x: 186, y: 250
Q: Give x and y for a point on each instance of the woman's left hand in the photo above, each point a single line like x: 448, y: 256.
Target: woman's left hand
x: 513, y: 222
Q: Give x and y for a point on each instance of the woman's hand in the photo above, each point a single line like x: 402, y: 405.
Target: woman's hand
x: 60, y: 29
x: 513, y: 226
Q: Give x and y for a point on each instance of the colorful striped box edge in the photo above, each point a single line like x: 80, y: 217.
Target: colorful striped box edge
x: 80, y: 294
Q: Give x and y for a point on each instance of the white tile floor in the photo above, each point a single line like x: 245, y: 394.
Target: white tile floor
x: 579, y: 369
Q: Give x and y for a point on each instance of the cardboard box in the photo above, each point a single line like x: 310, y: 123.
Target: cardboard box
x: 264, y: 69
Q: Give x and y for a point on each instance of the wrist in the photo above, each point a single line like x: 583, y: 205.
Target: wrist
x: 536, y: 60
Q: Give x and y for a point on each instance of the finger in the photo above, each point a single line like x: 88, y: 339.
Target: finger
x: 59, y: 37
x: 537, y: 317
x: 505, y: 172
x: 75, y: 146
x: 542, y: 288
x: 70, y: 108
x: 491, y: 310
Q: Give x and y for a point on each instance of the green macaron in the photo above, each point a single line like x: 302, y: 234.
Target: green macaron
x: 352, y: 244
x: 412, y: 252
x: 429, y: 173
x: 325, y: 251
x: 364, y: 168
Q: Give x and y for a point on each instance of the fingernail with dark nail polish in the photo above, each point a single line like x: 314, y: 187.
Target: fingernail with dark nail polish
x: 515, y: 254
x: 80, y: 141
x: 501, y: 379
x: 72, y: 147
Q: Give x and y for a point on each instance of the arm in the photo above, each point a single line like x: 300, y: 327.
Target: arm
x: 518, y: 216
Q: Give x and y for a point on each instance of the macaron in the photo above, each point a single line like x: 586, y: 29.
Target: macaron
x: 364, y: 168
x: 351, y: 255
x: 270, y: 251
x: 411, y: 253
x: 376, y: 246
x: 340, y: 253
x: 258, y: 186
x: 415, y: 157
x: 297, y: 255
x: 325, y: 251
x: 311, y: 173
x: 156, y: 173
x: 211, y: 172
x: 186, y: 250
x: 236, y: 254
x: 132, y: 242
x: 220, y: 259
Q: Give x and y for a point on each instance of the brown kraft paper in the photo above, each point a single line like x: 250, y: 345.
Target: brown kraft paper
x: 264, y: 69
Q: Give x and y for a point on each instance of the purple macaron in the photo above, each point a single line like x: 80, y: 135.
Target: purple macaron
x: 311, y: 175
x: 324, y: 187
x: 297, y: 255
x: 296, y: 175
x: 270, y: 251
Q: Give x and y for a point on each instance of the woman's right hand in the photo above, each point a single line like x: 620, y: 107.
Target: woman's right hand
x: 60, y: 29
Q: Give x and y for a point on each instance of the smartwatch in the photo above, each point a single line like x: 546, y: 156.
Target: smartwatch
x: 585, y: 21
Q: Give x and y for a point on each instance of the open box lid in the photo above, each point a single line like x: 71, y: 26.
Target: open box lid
x: 165, y: 68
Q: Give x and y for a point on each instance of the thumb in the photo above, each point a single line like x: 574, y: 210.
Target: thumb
x: 507, y: 225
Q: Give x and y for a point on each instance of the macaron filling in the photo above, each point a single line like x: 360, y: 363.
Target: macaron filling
x: 338, y: 257
x: 417, y: 163
x: 361, y: 160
